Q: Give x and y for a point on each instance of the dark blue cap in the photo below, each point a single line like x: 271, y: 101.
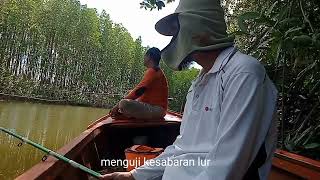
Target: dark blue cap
x: 155, y: 54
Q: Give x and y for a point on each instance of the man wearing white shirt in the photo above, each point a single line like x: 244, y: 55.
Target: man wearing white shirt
x: 229, y: 120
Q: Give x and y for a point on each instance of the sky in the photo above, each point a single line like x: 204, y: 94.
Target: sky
x: 139, y: 22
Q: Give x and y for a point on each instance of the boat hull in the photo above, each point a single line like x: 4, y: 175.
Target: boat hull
x: 107, y: 139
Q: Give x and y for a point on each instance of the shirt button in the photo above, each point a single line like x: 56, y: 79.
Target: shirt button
x: 197, y: 96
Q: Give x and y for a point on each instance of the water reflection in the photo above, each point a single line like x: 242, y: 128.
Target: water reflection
x: 50, y: 125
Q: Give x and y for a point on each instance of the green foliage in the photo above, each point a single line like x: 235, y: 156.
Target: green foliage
x: 179, y: 83
x: 153, y: 4
x: 284, y: 35
x: 62, y: 50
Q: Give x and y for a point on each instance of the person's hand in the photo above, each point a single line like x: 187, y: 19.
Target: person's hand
x: 118, y: 176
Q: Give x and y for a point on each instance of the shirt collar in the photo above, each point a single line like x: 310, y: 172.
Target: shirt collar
x: 221, y: 59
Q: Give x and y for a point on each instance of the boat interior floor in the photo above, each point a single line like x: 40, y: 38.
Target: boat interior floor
x: 113, y: 139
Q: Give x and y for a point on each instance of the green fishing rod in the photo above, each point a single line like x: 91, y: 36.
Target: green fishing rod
x: 52, y: 153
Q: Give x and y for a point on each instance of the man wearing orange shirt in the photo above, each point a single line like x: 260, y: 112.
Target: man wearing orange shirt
x: 149, y: 99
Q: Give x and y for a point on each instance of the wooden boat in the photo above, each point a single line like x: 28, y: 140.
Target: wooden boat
x: 107, y: 139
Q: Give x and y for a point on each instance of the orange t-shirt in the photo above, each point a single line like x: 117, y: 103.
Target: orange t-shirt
x: 155, y: 89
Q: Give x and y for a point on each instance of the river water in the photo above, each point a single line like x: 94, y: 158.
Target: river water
x: 49, y: 125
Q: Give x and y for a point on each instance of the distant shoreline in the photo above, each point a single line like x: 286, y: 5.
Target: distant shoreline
x: 10, y: 97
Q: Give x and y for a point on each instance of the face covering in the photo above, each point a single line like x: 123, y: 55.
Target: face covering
x: 196, y: 25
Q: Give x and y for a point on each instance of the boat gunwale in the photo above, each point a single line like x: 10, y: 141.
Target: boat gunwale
x: 298, y: 159
x: 293, y: 167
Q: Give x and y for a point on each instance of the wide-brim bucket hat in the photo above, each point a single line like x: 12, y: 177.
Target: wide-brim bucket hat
x: 196, y: 25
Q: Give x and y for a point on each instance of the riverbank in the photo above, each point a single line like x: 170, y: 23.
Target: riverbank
x: 19, y: 98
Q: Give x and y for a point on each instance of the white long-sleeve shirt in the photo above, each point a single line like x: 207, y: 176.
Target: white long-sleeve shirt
x: 229, y: 122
